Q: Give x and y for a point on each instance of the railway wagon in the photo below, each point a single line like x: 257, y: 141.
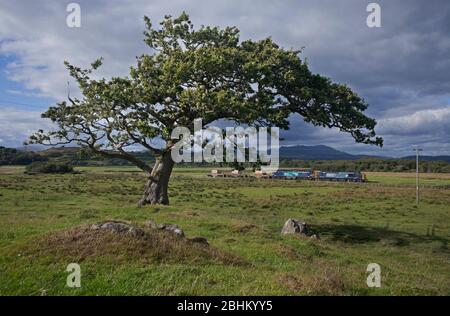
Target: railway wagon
x: 340, y: 176
x: 305, y: 174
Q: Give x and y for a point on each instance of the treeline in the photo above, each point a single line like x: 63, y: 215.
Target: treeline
x: 48, y: 167
x: 369, y: 164
x: 12, y: 156
x: 75, y: 156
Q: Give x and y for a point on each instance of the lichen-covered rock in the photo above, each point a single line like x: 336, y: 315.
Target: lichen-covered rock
x: 295, y: 226
x: 152, y: 224
x: 173, y: 228
x: 119, y: 227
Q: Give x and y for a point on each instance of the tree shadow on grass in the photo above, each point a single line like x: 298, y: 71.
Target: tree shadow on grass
x: 357, y: 234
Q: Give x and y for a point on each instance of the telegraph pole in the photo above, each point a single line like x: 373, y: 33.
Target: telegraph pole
x: 417, y: 150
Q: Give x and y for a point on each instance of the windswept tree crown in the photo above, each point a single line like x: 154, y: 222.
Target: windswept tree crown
x: 206, y: 73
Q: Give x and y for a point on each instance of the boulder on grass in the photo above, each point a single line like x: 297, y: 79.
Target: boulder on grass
x: 295, y: 226
x: 119, y: 227
x: 152, y: 224
x: 173, y: 228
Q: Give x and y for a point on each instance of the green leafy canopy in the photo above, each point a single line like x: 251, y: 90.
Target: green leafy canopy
x: 206, y: 73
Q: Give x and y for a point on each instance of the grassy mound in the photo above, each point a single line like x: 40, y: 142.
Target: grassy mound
x: 153, y: 246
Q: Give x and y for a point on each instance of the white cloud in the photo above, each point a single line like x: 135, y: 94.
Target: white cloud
x: 16, y: 126
x: 420, y: 122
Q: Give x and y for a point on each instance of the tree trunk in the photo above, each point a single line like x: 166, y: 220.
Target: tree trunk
x: 158, y: 181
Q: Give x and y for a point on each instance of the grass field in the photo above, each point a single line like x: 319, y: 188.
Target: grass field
x: 359, y: 224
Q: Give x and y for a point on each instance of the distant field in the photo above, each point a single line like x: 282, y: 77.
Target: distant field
x: 400, y: 178
x: 408, y: 178
x: 11, y: 169
x: 389, y: 178
x: 242, y: 218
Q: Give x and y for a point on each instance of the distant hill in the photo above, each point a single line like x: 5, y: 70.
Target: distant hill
x: 322, y: 152
x: 298, y: 152
x: 59, y: 151
x: 12, y: 156
x: 319, y: 152
x: 32, y: 148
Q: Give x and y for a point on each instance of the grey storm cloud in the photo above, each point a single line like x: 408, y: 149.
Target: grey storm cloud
x: 401, y: 69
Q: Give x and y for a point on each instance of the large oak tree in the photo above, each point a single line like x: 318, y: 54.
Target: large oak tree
x: 193, y: 73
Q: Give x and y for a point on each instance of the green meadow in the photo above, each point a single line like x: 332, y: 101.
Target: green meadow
x: 41, y: 217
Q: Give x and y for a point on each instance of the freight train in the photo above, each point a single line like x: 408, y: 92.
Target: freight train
x: 298, y: 174
x: 305, y: 174
x: 309, y: 174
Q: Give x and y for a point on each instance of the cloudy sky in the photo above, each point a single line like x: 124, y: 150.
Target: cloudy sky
x: 402, y: 69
